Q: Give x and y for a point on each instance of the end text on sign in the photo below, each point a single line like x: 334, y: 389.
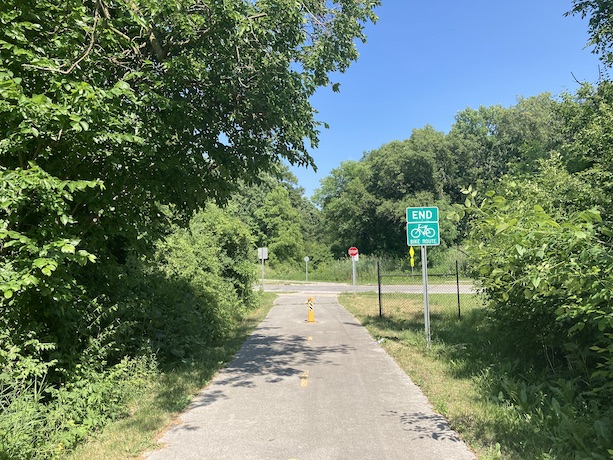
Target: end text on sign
x: 426, y: 215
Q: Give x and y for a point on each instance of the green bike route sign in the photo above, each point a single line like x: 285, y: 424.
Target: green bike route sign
x: 422, y: 227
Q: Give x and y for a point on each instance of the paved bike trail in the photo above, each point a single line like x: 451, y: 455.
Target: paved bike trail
x: 309, y: 391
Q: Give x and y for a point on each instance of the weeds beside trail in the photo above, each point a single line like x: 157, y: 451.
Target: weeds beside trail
x: 502, y: 409
x: 440, y: 261
x: 166, y: 395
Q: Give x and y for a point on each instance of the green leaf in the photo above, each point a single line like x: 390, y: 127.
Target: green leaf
x: 602, y: 428
x: 501, y: 227
x: 68, y: 249
x: 603, y: 324
x: 580, y: 234
x: 453, y: 216
x: 41, y: 262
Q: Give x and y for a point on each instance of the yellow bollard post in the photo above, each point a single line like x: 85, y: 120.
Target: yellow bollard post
x: 311, y: 318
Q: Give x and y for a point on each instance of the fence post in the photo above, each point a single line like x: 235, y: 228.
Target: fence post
x: 457, y: 283
x: 379, y: 284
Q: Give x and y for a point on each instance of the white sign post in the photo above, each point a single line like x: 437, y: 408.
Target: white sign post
x: 262, y: 255
x: 306, y: 262
x: 423, y: 230
x: 354, y: 253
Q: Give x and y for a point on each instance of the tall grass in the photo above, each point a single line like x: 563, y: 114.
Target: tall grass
x: 41, y: 422
x: 339, y: 271
x: 440, y: 261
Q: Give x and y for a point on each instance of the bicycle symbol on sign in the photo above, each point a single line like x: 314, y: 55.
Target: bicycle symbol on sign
x: 423, y: 230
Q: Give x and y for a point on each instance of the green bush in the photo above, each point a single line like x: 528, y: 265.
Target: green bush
x: 40, y: 250
x: 191, y: 291
x: 40, y: 421
x: 547, y: 269
x: 164, y: 308
x: 549, y: 281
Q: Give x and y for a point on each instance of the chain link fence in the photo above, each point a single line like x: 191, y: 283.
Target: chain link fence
x: 450, y: 288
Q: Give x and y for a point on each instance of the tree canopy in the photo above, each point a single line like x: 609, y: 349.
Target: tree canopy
x: 600, y: 13
x: 363, y: 203
x: 165, y: 101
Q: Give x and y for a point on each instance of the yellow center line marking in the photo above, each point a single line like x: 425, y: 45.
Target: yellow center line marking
x: 304, y: 379
x: 310, y: 339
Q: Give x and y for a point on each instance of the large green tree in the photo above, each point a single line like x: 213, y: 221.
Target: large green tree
x: 488, y: 142
x: 346, y: 205
x: 117, y: 116
x: 165, y: 101
x: 364, y: 203
x: 281, y: 217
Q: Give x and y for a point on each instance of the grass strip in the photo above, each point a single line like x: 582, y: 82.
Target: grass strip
x: 157, y: 407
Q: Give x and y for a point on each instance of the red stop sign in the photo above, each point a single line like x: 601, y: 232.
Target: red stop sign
x: 353, y: 251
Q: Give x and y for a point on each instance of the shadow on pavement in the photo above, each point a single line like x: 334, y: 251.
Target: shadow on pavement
x: 432, y: 426
x: 274, y: 357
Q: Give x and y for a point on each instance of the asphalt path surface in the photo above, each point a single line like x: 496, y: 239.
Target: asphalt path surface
x: 309, y: 391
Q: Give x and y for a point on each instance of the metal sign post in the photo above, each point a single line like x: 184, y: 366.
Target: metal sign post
x: 262, y: 255
x: 306, y: 263
x: 354, y: 274
x: 354, y: 253
x: 424, y: 274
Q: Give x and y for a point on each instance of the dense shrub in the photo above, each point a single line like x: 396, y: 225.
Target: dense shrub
x: 207, y: 283
x: 549, y: 277
x: 165, y: 307
x: 39, y: 421
x: 544, y: 258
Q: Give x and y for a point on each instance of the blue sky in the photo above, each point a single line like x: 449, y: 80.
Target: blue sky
x: 425, y: 61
